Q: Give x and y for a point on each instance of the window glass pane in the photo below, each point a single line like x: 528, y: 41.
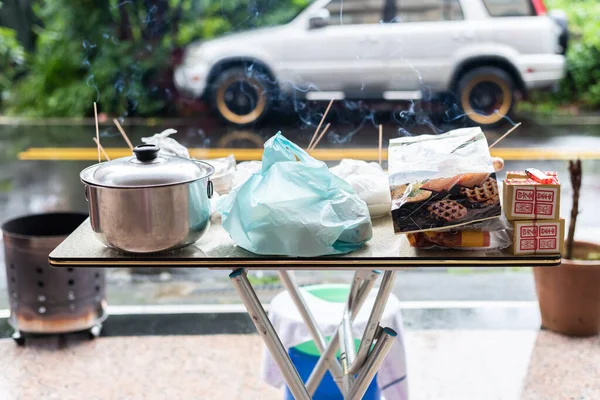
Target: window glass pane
x: 354, y: 12
x: 509, y: 8
x: 425, y: 11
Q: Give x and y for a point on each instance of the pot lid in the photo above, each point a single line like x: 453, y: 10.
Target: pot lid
x: 146, y: 168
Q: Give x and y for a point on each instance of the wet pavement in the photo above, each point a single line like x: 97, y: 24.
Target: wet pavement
x: 32, y: 183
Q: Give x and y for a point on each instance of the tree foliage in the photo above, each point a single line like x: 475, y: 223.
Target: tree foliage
x: 582, y: 83
x: 12, y: 59
x: 584, y: 54
x: 117, y: 52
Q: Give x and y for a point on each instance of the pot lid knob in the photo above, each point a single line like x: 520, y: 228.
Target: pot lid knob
x: 146, y: 152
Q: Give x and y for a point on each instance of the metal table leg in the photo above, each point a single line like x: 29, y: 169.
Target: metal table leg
x: 267, y: 332
x: 292, y: 287
x: 385, y: 340
x: 346, y: 337
x: 366, y: 370
x: 347, y: 350
x: 383, y: 294
x: 365, y: 285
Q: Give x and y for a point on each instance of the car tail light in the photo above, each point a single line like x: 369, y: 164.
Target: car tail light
x: 539, y: 7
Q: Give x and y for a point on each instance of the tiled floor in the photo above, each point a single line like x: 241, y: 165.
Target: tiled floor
x: 468, y: 364
x: 443, y: 365
x: 135, y: 368
x: 564, y: 368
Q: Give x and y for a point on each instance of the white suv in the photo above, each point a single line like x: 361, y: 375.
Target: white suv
x: 486, y: 52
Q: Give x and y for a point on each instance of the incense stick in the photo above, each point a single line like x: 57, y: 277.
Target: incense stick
x: 123, y: 133
x: 97, y: 130
x: 320, y: 137
x: 101, y: 149
x: 319, y: 127
x: 505, y: 135
x: 380, y: 144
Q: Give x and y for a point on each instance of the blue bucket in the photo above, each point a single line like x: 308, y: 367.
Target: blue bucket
x: 305, y: 357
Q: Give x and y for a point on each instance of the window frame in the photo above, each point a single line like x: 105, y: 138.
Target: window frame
x: 332, y: 15
x: 532, y: 11
x: 442, y: 4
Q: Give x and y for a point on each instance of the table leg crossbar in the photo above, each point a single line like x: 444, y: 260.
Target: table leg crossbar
x: 361, y: 295
x: 357, y: 369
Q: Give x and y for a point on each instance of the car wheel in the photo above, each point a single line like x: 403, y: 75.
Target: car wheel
x: 487, y: 95
x: 241, y: 97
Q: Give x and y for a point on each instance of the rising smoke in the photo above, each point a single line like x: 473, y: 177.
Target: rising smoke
x: 350, y: 116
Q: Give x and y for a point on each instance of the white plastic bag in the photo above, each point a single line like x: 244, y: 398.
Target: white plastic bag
x: 240, y: 175
x: 224, y: 170
x: 244, y: 171
x: 370, y: 183
x: 166, y: 144
x: 215, y: 216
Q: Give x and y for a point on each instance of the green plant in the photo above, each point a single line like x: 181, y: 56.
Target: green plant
x: 264, y: 280
x: 117, y: 52
x: 79, y: 59
x: 12, y: 59
x: 584, y: 55
x: 581, y: 86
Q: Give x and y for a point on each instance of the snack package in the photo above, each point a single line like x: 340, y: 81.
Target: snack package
x: 527, y: 199
x: 295, y: 207
x: 537, y: 237
x: 370, y: 183
x: 486, y: 235
x: 168, y: 146
x: 441, y: 181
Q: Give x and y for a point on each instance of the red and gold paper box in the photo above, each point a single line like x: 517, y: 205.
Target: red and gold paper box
x: 526, y: 199
x: 538, y: 237
x: 523, y: 174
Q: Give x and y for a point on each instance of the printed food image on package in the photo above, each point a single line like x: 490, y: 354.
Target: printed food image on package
x: 490, y: 234
x: 439, y: 181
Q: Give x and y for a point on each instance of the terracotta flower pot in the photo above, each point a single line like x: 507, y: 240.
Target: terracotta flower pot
x: 569, y: 295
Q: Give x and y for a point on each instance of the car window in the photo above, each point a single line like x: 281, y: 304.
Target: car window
x: 509, y: 8
x: 355, y: 12
x: 422, y: 10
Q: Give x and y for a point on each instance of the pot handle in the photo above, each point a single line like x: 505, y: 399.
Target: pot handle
x: 146, y: 152
x: 209, y: 189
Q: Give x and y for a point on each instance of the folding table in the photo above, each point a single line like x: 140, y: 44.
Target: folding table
x: 385, y: 252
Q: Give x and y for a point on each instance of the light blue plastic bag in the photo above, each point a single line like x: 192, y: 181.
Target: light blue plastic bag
x: 294, y: 206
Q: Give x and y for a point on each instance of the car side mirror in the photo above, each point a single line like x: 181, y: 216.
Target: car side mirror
x: 319, y: 20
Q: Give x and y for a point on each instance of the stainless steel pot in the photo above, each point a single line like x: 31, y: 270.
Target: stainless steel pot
x: 148, y: 202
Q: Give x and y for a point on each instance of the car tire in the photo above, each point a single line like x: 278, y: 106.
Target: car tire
x: 487, y: 95
x: 242, y: 96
